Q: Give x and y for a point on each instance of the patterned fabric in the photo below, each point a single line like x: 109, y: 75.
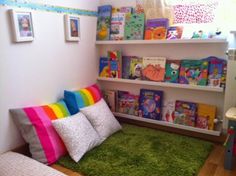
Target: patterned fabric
x: 195, y: 13
x: 82, y: 98
x: 77, y: 134
x: 36, y: 128
x: 15, y: 164
x: 102, y: 119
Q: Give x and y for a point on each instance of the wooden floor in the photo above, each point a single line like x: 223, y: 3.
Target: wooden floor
x: 214, y: 165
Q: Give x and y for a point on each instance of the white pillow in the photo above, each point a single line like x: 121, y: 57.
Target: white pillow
x: 101, y: 119
x: 15, y: 164
x: 77, y: 134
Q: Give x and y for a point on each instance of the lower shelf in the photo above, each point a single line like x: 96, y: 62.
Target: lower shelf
x: 168, y: 124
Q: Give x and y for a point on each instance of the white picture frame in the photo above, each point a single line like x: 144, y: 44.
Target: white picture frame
x: 22, y: 24
x: 72, y: 28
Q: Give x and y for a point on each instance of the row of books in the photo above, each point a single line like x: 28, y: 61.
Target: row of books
x: 149, y: 104
x: 210, y: 71
x: 125, y: 24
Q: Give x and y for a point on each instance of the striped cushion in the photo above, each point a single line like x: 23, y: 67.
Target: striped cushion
x: 36, y: 128
x: 82, y: 98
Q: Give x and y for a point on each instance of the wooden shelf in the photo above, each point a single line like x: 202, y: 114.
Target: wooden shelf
x: 177, y: 41
x: 163, y: 84
x: 168, y: 124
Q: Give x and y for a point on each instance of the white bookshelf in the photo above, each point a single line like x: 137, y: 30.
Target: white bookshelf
x: 177, y: 41
x: 168, y: 124
x: 163, y: 84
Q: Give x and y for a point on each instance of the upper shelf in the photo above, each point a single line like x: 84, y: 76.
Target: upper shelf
x: 164, y: 84
x: 177, y: 41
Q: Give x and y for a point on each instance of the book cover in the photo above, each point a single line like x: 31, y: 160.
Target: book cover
x: 134, y: 27
x: 194, y: 72
x: 168, y: 111
x: 126, y: 66
x: 185, y: 113
x: 154, y: 68
x: 135, y: 68
x: 103, y: 67
x: 150, y: 104
x: 127, y: 103
x: 172, y: 71
x: 103, y: 22
x: 156, y: 29
x: 206, y: 116
x: 117, y: 26
x: 110, y: 98
x: 174, y: 32
x: 114, y: 64
x: 215, y: 71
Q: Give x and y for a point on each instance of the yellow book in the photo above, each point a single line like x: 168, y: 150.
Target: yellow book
x: 206, y: 116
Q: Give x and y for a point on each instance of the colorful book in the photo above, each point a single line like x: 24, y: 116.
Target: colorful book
x: 172, y: 71
x: 215, y: 71
x: 117, y: 26
x: 194, y: 72
x: 134, y: 27
x: 114, y: 64
x: 174, y: 32
x: 150, y: 104
x: 135, y: 68
x: 110, y: 98
x: 168, y: 111
x: 206, y: 116
x: 103, y: 67
x: 156, y: 29
x: 154, y: 68
x: 126, y: 66
x: 127, y: 103
x: 103, y: 22
x: 185, y: 113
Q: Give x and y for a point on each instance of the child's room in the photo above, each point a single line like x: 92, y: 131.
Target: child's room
x: 118, y: 88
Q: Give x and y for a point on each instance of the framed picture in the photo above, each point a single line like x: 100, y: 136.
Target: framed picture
x: 22, y: 25
x: 72, y: 28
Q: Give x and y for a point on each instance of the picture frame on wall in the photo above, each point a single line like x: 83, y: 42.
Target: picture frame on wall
x: 22, y: 24
x: 72, y: 28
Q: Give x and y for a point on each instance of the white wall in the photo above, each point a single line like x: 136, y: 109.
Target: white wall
x: 37, y: 73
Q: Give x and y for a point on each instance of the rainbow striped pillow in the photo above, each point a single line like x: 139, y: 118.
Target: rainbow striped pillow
x: 82, y: 98
x: 36, y: 128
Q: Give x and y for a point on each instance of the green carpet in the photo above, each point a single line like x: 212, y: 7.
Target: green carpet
x: 137, y: 151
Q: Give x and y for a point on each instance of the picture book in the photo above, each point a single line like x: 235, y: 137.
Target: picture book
x: 127, y: 103
x: 150, y: 104
x: 103, y: 22
x: 114, y: 64
x: 135, y: 68
x: 134, y: 27
x: 103, y: 67
x: 168, y: 111
x: 126, y: 66
x: 154, y: 68
x: 156, y: 29
x: 117, y: 26
x: 206, y: 116
x: 185, y: 113
x: 139, y: 8
x: 172, y: 71
x: 194, y: 72
x: 174, y: 32
x: 223, y: 78
x: 215, y: 71
x: 110, y: 98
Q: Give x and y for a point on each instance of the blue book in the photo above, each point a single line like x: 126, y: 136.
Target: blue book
x: 104, y: 22
x: 126, y: 66
x: 150, y: 104
x: 103, y: 67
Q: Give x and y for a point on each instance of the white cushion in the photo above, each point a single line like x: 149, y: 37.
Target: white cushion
x: 15, y: 164
x: 102, y: 119
x: 77, y: 134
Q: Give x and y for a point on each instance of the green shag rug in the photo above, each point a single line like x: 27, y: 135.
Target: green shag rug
x: 137, y: 151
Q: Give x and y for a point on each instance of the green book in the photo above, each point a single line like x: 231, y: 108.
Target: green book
x: 134, y: 27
